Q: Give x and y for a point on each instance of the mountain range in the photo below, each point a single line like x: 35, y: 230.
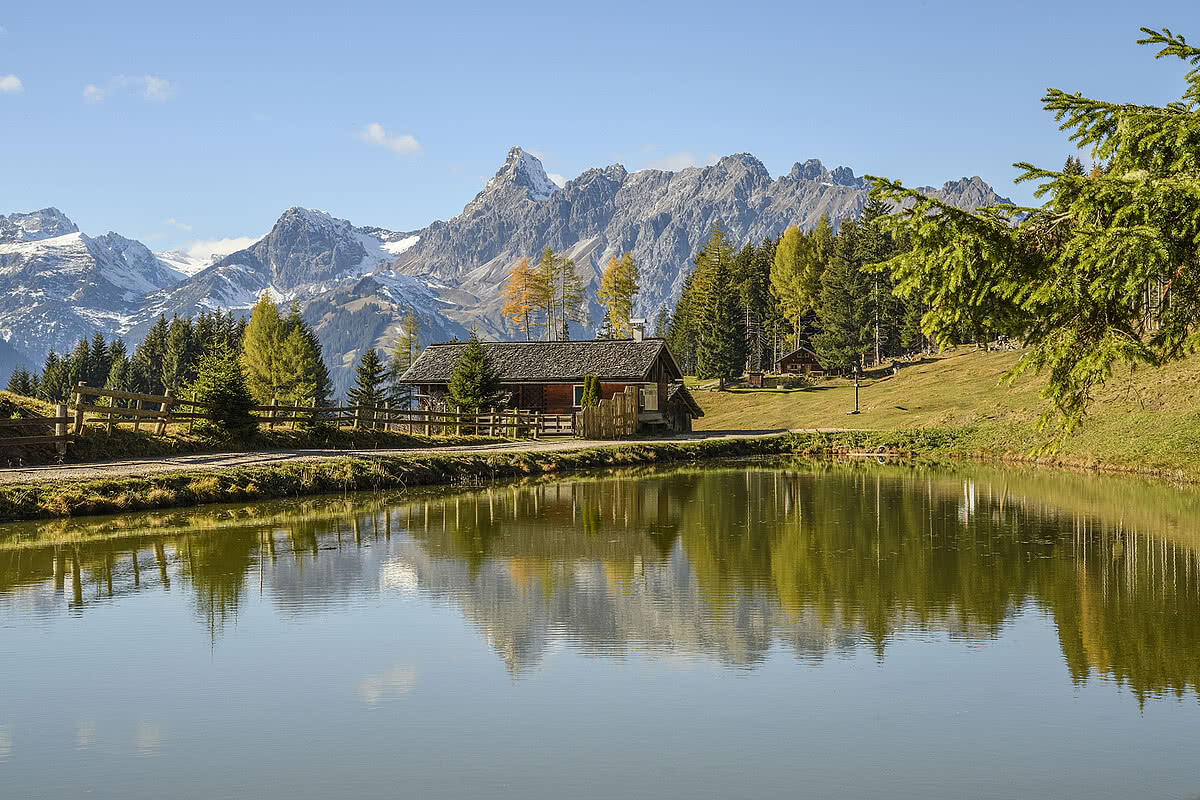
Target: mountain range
x: 355, y: 283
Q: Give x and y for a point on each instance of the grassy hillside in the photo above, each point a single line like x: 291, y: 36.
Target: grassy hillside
x: 1148, y: 420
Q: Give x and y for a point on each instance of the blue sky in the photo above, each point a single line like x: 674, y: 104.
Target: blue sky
x: 178, y: 122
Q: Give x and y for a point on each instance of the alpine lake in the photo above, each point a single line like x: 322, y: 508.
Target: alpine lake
x: 749, y: 629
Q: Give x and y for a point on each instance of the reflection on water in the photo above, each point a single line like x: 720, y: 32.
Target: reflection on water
x: 722, y: 565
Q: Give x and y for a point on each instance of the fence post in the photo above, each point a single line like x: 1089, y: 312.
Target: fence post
x: 60, y: 428
x: 137, y: 419
x: 166, y: 412
x: 192, y: 419
x: 271, y: 413
x: 79, y: 407
x: 357, y: 415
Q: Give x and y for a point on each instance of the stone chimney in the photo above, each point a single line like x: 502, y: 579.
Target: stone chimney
x: 639, y: 328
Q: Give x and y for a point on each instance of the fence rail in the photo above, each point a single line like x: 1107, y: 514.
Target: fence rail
x: 58, y: 424
x: 111, y: 408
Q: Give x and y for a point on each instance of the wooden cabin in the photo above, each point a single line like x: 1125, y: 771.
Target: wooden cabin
x: 800, y: 361
x: 548, y: 376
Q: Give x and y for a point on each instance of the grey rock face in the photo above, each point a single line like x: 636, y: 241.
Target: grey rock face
x: 57, y: 284
x: 35, y: 226
x: 661, y: 217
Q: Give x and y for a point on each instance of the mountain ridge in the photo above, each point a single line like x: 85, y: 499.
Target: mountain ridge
x: 354, y: 283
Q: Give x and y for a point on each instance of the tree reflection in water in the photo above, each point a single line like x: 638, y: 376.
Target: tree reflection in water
x: 716, y: 563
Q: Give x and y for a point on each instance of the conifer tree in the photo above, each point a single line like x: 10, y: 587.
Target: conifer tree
x: 369, y: 388
x: 20, y: 382
x: 719, y: 345
x: 474, y: 384
x: 179, y: 356
x: 844, y: 314
x: 403, y: 353
x: 262, y: 350
x: 662, y: 322
x: 99, y: 362
x: 304, y: 375
x: 120, y: 374
x: 148, y: 358
x: 55, y: 383
x: 220, y: 384
x: 591, y: 391
x: 618, y: 285
x: 523, y: 296
x: 1105, y: 271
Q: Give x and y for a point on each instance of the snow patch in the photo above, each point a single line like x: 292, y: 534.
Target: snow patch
x: 398, y: 247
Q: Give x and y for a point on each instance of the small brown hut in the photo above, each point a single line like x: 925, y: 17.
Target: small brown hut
x: 548, y: 376
x: 800, y: 361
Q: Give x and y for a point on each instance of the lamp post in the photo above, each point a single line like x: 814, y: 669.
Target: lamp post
x: 857, y: 371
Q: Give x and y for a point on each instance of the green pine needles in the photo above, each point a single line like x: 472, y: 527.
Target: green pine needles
x: 1105, y: 272
x: 474, y: 384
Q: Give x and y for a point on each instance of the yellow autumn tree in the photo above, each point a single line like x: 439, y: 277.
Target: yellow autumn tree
x: 618, y: 285
x: 522, y: 290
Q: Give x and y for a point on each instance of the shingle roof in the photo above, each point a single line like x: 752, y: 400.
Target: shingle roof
x: 548, y: 362
x: 801, y: 349
x: 680, y: 393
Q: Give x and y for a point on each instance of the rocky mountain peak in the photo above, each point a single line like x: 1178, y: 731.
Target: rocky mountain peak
x: 34, y: 226
x: 523, y: 170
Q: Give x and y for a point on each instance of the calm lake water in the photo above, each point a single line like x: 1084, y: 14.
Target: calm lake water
x: 762, y: 630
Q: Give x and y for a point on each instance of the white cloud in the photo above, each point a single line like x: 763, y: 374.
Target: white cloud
x: 558, y: 180
x: 207, y: 250
x: 375, y: 134
x: 10, y: 83
x: 156, y: 89
x: 678, y: 161
x: 150, y: 87
x: 183, y: 226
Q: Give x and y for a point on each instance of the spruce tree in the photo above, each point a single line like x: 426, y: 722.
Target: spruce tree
x: 474, y: 384
x: 719, y: 349
x: 220, y: 384
x: 148, y: 358
x: 100, y: 361
x: 369, y: 381
x: 179, y: 356
x: 1105, y: 271
x: 20, y: 383
x: 662, y: 322
x: 845, y: 314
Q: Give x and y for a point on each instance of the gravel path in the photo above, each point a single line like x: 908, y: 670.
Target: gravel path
x: 140, y: 467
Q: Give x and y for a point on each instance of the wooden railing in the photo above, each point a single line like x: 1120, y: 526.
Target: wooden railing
x: 110, y: 408
x: 12, y: 436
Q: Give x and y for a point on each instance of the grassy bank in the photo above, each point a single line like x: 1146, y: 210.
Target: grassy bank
x: 1147, y: 421
x: 352, y: 474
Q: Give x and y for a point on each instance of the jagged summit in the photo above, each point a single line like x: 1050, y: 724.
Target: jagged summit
x: 814, y: 170
x: 34, y: 226
x: 524, y: 170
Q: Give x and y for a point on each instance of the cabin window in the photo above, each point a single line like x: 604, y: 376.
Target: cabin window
x: 578, y: 395
x: 650, y: 397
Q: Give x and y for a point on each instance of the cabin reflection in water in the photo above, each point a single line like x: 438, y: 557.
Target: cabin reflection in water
x: 714, y: 564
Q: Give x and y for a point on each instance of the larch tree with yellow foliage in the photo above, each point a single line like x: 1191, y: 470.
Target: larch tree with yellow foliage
x: 618, y: 285
x: 522, y: 295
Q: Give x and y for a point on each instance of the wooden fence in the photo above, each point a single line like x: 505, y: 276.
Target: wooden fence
x: 612, y: 418
x: 14, y: 432
x: 110, y: 408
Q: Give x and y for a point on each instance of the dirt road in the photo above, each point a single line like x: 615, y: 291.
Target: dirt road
x: 140, y: 467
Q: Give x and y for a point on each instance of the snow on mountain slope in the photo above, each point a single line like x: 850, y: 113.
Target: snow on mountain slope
x: 199, y: 256
x: 56, y: 288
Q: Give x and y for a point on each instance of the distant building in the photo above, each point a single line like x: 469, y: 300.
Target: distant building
x: 548, y: 376
x: 800, y: 361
